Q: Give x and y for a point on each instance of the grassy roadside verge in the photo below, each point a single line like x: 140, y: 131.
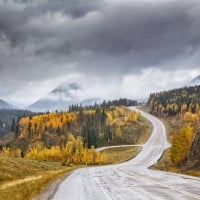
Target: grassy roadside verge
x: 16, y: 182
x: 45, y: 173
x: 30, y: 189
x: 146, y: 133
x: 121, y: 154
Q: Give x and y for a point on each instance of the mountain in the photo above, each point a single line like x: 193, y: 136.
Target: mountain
x: 195, y: 81
x: 58, y: 99
x: 5, y: 105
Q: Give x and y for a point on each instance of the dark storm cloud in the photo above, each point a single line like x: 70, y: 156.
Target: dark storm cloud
x: 146, y: 35
x: 100, y: 37
x: 76, y: 8
x: 157, y: 31
x: 15, y: 14
x: 131, y: 36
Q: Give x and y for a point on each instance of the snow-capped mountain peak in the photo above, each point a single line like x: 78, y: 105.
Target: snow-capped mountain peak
x: 65, y: 92
x: 59, y: 98
x: 65, y: 87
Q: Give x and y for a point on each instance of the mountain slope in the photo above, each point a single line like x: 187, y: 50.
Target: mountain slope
x: 5, y: 105
x: 59, y: 98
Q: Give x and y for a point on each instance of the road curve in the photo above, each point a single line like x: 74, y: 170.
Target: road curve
x: 131, y: 180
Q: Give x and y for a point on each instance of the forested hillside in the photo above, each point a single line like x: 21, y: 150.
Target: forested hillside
x: 106, y: 104
x: 96, y: 127
x: 175, y: 101
x: 9, y: 118
x: 180, y: 108
x: 70, y: 136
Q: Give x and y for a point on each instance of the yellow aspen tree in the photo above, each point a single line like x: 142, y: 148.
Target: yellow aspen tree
x: 181, y: 143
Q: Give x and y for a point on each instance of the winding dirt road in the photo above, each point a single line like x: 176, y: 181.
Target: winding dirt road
x: 131, y: 180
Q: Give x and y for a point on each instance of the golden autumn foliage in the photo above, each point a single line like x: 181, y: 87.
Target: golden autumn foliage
x: 32, y: 127
x: 93, y: 125
x: 175, y: 102
x: 120, y: 115
x: 182, y: 130
x: 181, y: 142
x: 190, y: 117
x: 10, y: 152
x: 180, y: 108
x: 73, y: 152
x: 70, y: 137
x: 132, y: 116
x: 48, y: 125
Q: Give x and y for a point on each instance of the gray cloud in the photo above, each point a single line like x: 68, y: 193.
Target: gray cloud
x: 147, y: 35
x: 46, y: 39
x: 75, y: 8
x: 15, y: 15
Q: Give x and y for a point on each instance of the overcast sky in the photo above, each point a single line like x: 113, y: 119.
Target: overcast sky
x: 112, y: 48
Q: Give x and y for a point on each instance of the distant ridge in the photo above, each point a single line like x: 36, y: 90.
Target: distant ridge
x: 5, y: 105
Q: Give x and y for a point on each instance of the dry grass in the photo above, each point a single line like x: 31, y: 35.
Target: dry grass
x: 193, y: 172
x: 121, y: 154
x: 18, y: 168
x: 146, y: 133
x: 27, y: 190
x: 22, y: 179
